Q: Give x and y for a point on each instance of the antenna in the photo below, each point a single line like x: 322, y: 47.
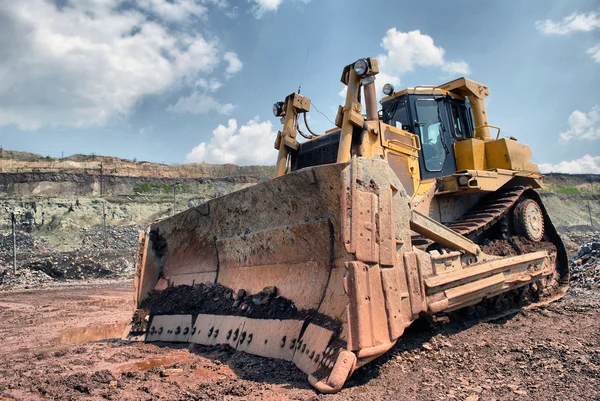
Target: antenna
x: 303, y: 68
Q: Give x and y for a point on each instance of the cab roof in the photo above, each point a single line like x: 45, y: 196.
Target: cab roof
x: 422, y: 90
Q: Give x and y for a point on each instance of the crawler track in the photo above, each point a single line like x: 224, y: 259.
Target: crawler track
x: 488, y: 212
x: 478, y: 225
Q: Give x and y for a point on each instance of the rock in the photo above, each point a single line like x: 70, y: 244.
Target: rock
x: 162, y: 284
x: 270, y: 291
x: 584, y: 250
x: 584, y: 267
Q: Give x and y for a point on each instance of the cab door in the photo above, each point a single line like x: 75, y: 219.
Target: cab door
x: 431, y: 124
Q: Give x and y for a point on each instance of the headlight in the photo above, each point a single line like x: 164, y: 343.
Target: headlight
x: 463, y: 180
x: 278, y: 109
x: 388, y: 89
x: 361, y: 67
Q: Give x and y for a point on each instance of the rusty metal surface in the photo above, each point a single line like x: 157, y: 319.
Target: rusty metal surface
x: 216, y: 237
x: 298, y: 252
x: 271, y: 338
x: 310, y: 348
x: 367, y: 317
x: 441, y: 234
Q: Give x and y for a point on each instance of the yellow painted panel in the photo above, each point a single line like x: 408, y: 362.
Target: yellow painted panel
x: 510, y: 155
x: 470, y: 154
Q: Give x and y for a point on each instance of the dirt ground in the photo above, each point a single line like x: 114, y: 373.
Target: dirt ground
x: 56, y: 344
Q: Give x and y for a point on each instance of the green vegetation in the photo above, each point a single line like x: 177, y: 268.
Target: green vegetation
x: 564, y: 190
x: 568, y: 190
x: 155, y: 187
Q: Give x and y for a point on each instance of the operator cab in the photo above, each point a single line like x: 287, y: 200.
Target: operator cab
x: 438, y: 117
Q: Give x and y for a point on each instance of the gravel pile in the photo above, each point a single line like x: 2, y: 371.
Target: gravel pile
x: 36, y: 269
x: 80, y: 265
x: 25, y: 242
x: 25, y: 278
x: 39, y: 263
x: 119, y: 237
x: 585, y: 265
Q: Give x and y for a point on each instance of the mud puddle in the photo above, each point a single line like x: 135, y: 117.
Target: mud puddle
x: 179, y: 363
x: 147, y: 364
x: 79, y: 335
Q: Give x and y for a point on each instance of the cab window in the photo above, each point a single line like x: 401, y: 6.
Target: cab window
x: 430, y: 130
x: 395, y: 113
x: 459, y: 121
x: 401, y: 116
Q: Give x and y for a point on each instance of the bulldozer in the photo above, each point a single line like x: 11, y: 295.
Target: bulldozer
x: 411, y: 206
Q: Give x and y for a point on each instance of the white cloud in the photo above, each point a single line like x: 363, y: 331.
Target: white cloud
x: 456, y: 68
x: 584, y: 165
x: 252, y: 144
x: 595, y: 53
x: 264, y: 6
x: 86, y: 62
x: 232, y: 12
x: 234, y: 64
x: 210, y: 85
x: 200, y: 103
x: 175, y: 10
x: 572, y: 23
x: 583, y: 125
x: 406, y: 50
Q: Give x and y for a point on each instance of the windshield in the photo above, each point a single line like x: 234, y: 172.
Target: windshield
x: 430, y: 131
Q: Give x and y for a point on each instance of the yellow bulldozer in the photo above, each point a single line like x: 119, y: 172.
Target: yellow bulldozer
x: 403, y: 209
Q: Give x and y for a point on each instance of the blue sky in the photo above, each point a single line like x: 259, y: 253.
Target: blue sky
x: 179, y: 81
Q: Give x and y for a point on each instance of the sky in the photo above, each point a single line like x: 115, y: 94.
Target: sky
x: 191, y: 81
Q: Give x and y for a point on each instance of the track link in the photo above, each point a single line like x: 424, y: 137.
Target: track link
x: 487, y: 213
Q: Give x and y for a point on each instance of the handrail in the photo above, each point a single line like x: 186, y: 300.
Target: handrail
x: 418, y: 141
x: 487, y: 126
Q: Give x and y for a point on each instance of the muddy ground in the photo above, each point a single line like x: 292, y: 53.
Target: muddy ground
x: 55, y: 346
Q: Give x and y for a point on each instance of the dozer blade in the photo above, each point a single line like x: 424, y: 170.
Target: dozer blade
x: 315, y: 267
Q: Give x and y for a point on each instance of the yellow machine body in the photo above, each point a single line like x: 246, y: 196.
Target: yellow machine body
x: 327, y: 264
